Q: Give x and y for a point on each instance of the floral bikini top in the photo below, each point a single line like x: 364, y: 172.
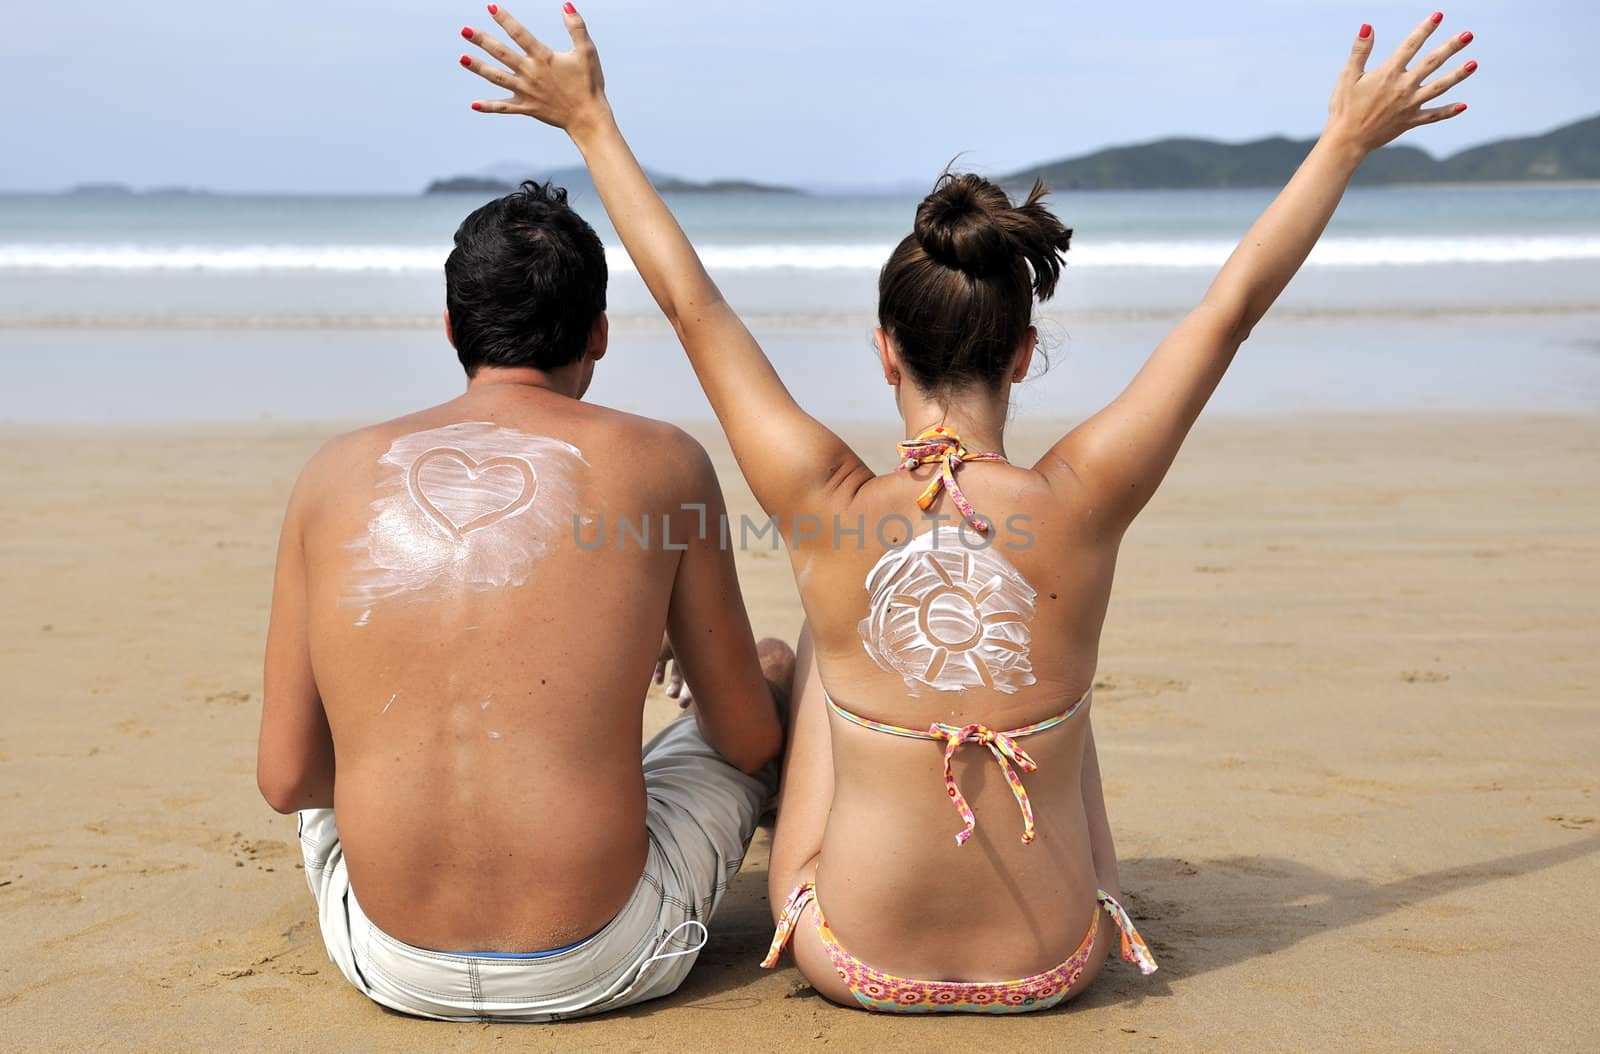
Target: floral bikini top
x: 943, y: 446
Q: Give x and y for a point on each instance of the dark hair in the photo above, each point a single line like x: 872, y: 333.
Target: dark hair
x: 525, y: 282
x: 956, y: 296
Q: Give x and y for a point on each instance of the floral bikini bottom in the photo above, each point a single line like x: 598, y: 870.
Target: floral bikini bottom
x: 876, y: 990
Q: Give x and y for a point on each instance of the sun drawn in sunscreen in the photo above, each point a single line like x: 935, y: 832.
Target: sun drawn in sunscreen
x: 949, y: 617
x: 469, y: 505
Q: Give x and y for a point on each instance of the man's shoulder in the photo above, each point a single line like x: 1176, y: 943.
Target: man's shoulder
x: 651, y: 444
x: 340, y: 454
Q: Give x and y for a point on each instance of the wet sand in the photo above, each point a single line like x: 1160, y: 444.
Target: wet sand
x: 1346, y: 714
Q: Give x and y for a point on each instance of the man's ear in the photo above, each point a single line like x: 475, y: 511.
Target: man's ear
x: 449, y: 331
x: 891, y: 366
x: 599, y: 338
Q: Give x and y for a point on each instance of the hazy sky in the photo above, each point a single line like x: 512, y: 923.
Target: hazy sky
x: 354, y: 95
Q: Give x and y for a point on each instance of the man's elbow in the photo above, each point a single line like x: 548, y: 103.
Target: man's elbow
x: 761, y: 752
x: 753, y: 749
x: 289, y: 792
x: 283, y: 797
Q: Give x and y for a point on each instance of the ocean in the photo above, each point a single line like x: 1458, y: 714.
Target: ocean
x: 157, y: 308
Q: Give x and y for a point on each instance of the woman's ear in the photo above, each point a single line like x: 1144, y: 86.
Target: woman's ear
x: 1030, y: 341
x: 449, y: 332
x: 891, y: 367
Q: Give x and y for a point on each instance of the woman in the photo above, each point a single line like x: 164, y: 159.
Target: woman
x: 950, y: 660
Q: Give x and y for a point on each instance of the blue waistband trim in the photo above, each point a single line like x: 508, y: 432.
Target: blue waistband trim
x: 521, y: 955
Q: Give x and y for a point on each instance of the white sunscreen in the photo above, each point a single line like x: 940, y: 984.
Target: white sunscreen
x: 949, y: 617
x: 471, y: 504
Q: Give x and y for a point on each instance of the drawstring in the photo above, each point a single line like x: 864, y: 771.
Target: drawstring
x: 941, y: 445
x: 672, y: 935
x: 1005, y: 751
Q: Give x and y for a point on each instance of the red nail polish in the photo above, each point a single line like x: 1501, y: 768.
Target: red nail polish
x: 1466, y: 38
x: 1461, y: 107
x: 1366, y: 31
x: 1438, y: 16
x: 1472, y: 65
x: 466, y: 31
x: 569, y: 9
x: 478, y: 106
x: 466, y: 60
x: 494, y: 9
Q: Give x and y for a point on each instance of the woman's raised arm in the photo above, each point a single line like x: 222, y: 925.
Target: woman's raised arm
x: 1123, y: 452
x: 790, y: 459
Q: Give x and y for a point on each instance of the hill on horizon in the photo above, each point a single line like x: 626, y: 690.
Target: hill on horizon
x: 1571, y: 152
x: 506, y: 176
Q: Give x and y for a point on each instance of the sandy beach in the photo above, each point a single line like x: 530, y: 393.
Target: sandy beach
x: 1346, y: 714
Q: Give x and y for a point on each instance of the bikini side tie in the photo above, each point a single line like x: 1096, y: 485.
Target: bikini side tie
x: 1005, y: 751
x: 941, y: 445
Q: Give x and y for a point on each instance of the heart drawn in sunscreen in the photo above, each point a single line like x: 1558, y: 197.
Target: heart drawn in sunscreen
x: 462, y: 494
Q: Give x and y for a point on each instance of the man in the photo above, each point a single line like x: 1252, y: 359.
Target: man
x: 465, y: 632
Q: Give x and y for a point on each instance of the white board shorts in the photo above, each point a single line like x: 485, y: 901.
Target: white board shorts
x: 701, y: 814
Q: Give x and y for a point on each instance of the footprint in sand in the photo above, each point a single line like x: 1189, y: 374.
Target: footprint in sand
x: 259, y: 852
x: 1424, y: 677
x: 1572, y: 823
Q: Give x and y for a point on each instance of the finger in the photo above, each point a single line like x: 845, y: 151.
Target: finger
x: 514, y: 29
x: 1448, y: 81
x: 1440, y: 55
x: 1361, y: 50
x: 1435, y: 114
x: 491, y: 73
x: 498, y: 106
x: 685, y: 701
x: 490, y: 43
x: 660, y: 675
x: 1412, y: 44
x: 576, y: 28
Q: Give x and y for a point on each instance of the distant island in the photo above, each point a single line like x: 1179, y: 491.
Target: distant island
x: 507, y: 176
x: 122, y: 190
x: 1571, y: 152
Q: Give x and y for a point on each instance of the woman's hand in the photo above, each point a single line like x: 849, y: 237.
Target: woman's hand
x: 566, y: 89
x: 1372, y: 108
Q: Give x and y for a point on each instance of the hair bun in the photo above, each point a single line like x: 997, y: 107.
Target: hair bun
x: 957, y: 225
x: 969, y: 224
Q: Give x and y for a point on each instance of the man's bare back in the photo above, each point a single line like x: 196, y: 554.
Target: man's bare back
x: 469, y: 606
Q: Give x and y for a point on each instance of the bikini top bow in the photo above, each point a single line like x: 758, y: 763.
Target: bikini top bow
x: 1006, y: 752
x: 942, y: 446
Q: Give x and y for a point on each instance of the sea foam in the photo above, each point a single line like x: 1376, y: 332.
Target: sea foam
x: 1150, y: 255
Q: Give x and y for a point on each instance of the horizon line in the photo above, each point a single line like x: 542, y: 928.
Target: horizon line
x: 895, y: 185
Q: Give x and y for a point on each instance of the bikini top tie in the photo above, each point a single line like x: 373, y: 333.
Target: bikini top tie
x: 1006, y: 752
x: 942, y: 446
